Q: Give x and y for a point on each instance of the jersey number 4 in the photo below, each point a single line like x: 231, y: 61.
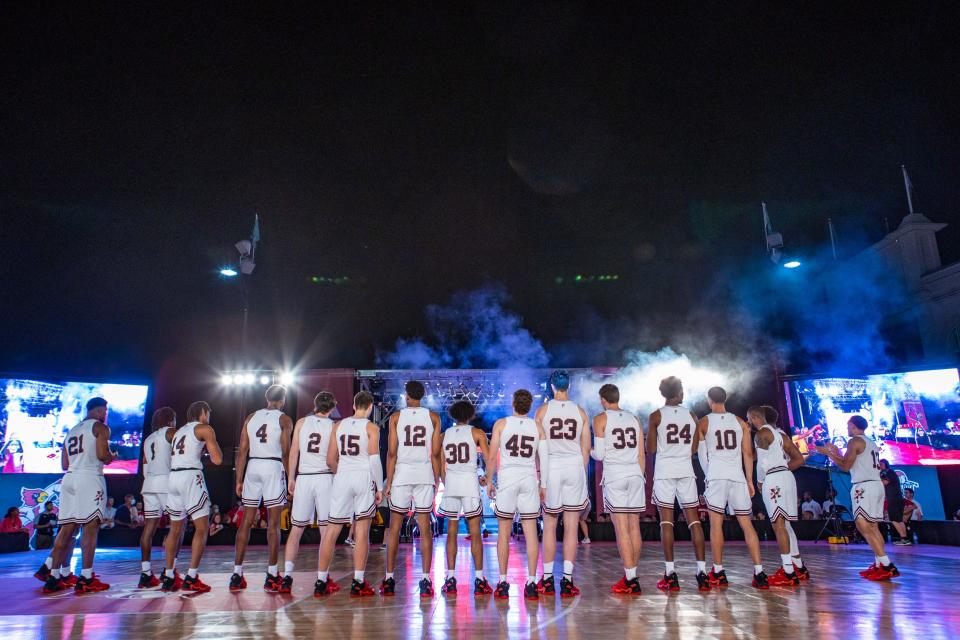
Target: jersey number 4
x: 262, y: 434
x: 458, y: 453
x: 349, y: 445
x: 416, y: 436
x: 180, y: 445
x: 561, y: 429
x: 75, y: 445
x: 675, y: 434
x: 520, y: 446
x: 623, y: 438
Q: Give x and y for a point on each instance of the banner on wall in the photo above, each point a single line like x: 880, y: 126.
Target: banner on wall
x: 922, y: 479
x: 30, y: 492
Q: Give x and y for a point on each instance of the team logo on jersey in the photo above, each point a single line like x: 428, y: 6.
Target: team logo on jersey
x: 775, y: 494
x: 98, y: 497
x: 199, y: 480
x: 858, y: 494
x: 33, y: 501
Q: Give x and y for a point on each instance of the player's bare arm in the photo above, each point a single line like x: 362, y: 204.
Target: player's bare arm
x: 436, y: 446
x: 480, y: 439
x: 393, y: 443
x: 538, y: 416
x: 764, y: 438
x: 64, y: 458
x: 373, y: 449
x: 654, y: 422
x: 492, y: 464
x: 286, y: 427
x: 208, y: 436
x: 746, y: 450
x: 102, y: 432
x: 795, y: 458
x: 294, y: 457
x: 854, y: 448
x: 333, y: 451
x: 242, y: 453
x: 641, y: 450
x: 585, y: 440
x: 543, y: 464
x: 599, y: 425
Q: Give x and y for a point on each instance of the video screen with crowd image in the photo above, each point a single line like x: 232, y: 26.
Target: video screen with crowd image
x: 36, y: 414
x: 914, y: 415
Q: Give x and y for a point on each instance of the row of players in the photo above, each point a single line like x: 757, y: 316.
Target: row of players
x: 336, y: 477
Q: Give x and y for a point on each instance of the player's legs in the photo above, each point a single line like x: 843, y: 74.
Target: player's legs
x: 243, y: 534
x: 666, y: 532
x: 794, y: 544
x: 625, y: 539
x: 200, y: 527
x: 88, y: 545
x: 570, y: 527
x: 633, y: 523
x: 716, y: 537
x: 361, y: 549
x: 63, y: 546
x: 171, y: 544
x: 392, y: 539
x: 529, y: 526
x: 453, y: 525
x: 327, y: 542
x: 900, y: 528
x: 273, y: 535
x: 293, y: 546
x: 476, y: 543
x: 324, y: 534
x: 783, y: 536
x: 549, y: 540
x: 503, y: 543
x: 426, y: 542
x: 584, y: 530
x: 871, y: 533
x: 696, y: 532
x: 146, y: 538
x: 750, y: 537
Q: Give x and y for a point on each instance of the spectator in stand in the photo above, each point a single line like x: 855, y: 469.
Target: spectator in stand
x: 235, y: 515
x: 109, y: 514
x: 582, y: 523
x: 262, y: 518
x: 124, y: 513
x: 702, y: 510
x: 810, y: 508
x: 829, y: 502
x: 911, y: 508
x: 216, y: 523
x: 46, y: 527
x: 137, y: 515
x: 894, y: 495
x: 11, y: 523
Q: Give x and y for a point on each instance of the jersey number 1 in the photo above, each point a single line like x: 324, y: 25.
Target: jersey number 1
x: 75, y: 445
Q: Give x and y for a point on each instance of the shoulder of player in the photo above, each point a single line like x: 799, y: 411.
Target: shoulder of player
x: 100, y: 427
x: 286, y: 421
x: 478, y: 432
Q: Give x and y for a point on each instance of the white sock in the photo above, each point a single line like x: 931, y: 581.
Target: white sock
x: 288, y: 567
x: 787, y: 562
x: 670, y: 568
x: 191, y: 572
x: 358, y: 575
x: 55, y: 573
x: 797, y: 560
x: 450, y: 573
x: 884, y: 561
x: 757, y: 568
x: 630, y: 573
x: 272, y: 570
x: 717, y: 568
x: 547, y: 569
x: 478, y: 574
x: 48, y: 563
x: 322, y: 575
x: 238, y: 569
x: 503, y: 578
x: 532, y: 579
x: 794, y: 545
x: 145, y: 567
x: 87, y: 573
x: 65, y: 570
x: 567, y: 569
x: 174, y: 564
x: 389, y: 576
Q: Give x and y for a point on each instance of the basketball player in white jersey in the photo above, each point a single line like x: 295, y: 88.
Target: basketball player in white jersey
x: 413, y: 465
x: 777, y: 457
x: 261, y: 476
x: 187, y: 496
x: 83, y: 496
x: 618, y: 444
x: 310, y: 481
x: 518, y: 442
x: 354, y: 457
x: 729, y: 483
x: 670, y: 436
x: 461, y: 492
x: 862, y: 460
x: 567, y: 430
x: 156, y: 473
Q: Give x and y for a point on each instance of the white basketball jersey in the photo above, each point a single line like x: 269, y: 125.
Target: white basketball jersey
x: 157, y: 452
x: 81, y: 446
x: 518, y: 445
x: 563, y: 424
x: 773, y: 458
x: 866, y: 466
x: 414, y: 447
x: 724, y: 440
x: 314, y: 441
x: 460, y: 454
x: 187, y: 448
x: 354, y: 445
x: 674, y: 442
x: 623, y: 438
x: 263, y: 431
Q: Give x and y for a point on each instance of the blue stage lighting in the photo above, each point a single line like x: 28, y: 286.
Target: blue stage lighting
x: 793, y: 264
x: 227, y: 272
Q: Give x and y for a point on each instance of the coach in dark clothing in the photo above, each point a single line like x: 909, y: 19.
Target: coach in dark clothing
x: 894, y: 495
x: 46, y: 527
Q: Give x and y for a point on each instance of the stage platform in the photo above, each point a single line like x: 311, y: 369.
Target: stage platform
x: 836, y: 603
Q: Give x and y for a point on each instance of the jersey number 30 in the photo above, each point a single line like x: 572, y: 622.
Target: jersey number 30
x: 458, y: 453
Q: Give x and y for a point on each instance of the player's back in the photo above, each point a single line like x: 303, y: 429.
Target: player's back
x: 674, y: 441
x: 414, y: 447
x: 314, y: 440
x: 518, y: 446
x: 563, y: 423
x: 264, y: 433
x: 81, y: 446
x: 460, y: 455
x: 773, y: 458
x: 624, y: 437
x: 354, y: 445
x: 187, y: 448
x: 866, y: 466
x: 724, y: 447
x: 157, y: 451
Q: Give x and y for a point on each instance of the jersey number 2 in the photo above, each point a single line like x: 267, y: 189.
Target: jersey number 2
x: 75, y: 445
x: 313, y: 444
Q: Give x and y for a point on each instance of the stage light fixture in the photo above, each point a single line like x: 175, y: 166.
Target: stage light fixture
x: 228, y: 272
x: 238, y: 378
x: 249, y: 378
x: 287, y: 378
x: 264, y: 379
x: 226, y: 380
x: 793, y: 264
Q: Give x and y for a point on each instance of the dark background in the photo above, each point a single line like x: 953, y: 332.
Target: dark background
x: 426, y: 150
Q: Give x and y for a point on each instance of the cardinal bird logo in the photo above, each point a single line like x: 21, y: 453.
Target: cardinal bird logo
x: 32, y: 502
x: 775, y: 494
x: 858, y: 494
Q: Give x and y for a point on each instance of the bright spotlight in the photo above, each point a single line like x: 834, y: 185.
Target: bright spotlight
x: 226, y: 380
x: 238, y: 378
x: 264, y: 379
x: 287, y: 379
x: 249, y: 378
x: 793, y: 264
x: 228, y: 272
